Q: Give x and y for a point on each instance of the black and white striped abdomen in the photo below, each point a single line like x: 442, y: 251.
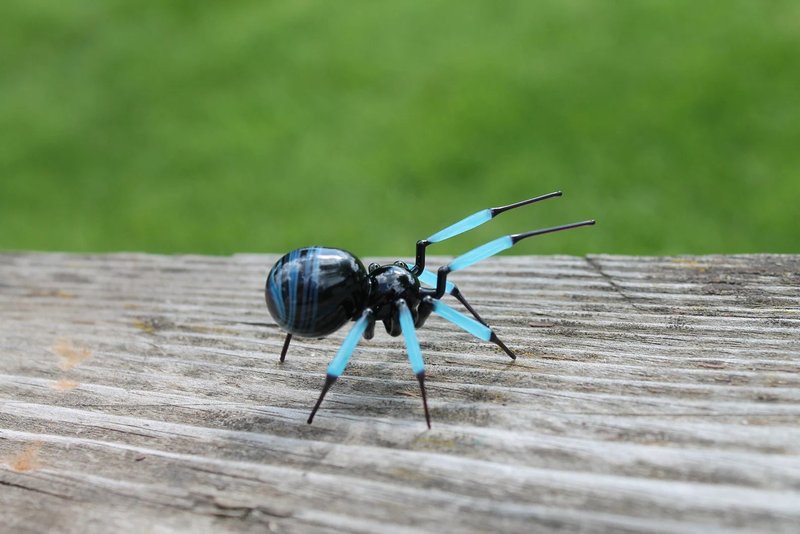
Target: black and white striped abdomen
x: 313, y: 291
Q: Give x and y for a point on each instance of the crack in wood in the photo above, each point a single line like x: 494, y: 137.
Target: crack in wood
x: 596, y: 267
x: 33, y: 489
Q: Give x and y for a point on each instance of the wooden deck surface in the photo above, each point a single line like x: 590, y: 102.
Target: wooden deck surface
x: 144, y: 393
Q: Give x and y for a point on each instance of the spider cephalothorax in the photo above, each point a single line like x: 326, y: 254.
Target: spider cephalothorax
x: 388, y: 284
x: 314, y: 291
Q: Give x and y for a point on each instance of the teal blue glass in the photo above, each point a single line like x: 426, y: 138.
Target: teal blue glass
x: 336, y: 367
x: 459, y: 319
x: 481, y: 253
x: 412, y: 343
x: 464, y: 225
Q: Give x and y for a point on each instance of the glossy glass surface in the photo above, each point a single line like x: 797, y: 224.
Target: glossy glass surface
x: 464, y: 225
x: 459, y: 319
x: 339, y: 362
x: 481, y: 253
x: 410, y: 336
x: 390, y: 283
x: 313, y: 291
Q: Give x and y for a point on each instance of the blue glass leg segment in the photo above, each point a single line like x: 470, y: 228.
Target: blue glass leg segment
x: 472, y: 326
x: 462, y: 321
x: 481, y: 253
x: 429, y: 279
x: 414, y: 353
x: 410, y: 336
x: 478, y: 218
x: 464, y: 225
x: 339, y: 361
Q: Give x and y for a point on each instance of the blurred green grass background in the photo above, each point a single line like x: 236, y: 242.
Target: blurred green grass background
x: 220, y: 127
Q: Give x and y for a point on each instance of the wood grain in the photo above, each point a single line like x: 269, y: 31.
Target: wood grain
x: 142, y: 392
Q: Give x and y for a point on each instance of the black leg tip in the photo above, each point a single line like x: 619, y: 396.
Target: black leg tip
x: 421, y: 379
x: 329, y: 380
x: 496, y: 340
x: 286, y: 346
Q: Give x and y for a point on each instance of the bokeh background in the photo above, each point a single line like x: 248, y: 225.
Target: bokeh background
x: 260, y: 126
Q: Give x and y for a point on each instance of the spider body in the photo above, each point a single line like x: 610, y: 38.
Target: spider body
x: 388, y: 284
x: 314, y: 291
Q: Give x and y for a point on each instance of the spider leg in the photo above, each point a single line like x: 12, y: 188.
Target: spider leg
x: 472, y: 326
x: 426, y: 307
x: 429, y: 278
x: 468, y: 223
x: 424, y: 311
x: 414, y: 352
x: 460, y: 298
x: 490, y: 249
x: 285, y: 346
x: 339, y: 361
x: 392, y: 325
x: 369, y: 332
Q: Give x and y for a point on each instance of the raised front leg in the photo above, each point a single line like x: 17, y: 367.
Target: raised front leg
x: 468, y: 223
x: 490, y: 249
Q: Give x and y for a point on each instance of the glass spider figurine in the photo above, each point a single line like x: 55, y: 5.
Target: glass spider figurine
x: 314, y: 291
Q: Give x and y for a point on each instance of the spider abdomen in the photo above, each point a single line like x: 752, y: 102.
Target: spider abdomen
x: 313, y: 291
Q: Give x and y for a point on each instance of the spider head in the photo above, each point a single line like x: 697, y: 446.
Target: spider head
x: 389, y: 283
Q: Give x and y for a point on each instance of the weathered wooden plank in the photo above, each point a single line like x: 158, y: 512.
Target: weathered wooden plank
x: 651, y: 394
